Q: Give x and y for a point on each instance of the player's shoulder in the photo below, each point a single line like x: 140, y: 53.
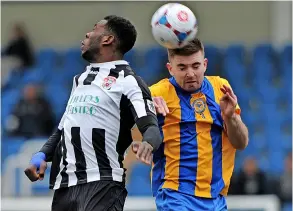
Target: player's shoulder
x: 160, y: 88
x: 162, y: 83
x: 216, y: 80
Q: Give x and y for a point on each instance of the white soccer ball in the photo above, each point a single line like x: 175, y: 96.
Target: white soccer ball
x: 173, y: 25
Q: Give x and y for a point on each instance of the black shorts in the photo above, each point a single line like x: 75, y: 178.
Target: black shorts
x: 93, y: 196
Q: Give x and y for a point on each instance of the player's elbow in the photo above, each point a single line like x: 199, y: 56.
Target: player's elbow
x: 148, y: 126
x: 153, y: 137
x: 241, y: 144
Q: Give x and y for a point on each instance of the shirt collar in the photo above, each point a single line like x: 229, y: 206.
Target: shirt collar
x: 117, y: 62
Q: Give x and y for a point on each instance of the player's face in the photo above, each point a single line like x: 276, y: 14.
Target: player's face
x: 188, y: 71
x: 95, y: 40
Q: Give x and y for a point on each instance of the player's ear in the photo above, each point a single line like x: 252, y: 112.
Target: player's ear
x: 169, y: 67
x: 107, y: 39
x: 205, y: 63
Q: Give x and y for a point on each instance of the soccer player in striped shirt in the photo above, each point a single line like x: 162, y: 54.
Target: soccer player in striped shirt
x: 107, y: 99
x: 201, y: 129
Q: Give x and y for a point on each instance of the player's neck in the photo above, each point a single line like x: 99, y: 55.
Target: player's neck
x: 108, y: 57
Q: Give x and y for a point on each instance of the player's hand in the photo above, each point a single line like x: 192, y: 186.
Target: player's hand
x: 37, y: 168
x: 228, y: 102
x: 160, y: 105
x: 143, y: 151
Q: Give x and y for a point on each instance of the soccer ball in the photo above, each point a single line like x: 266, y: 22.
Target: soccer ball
x: 173, y: 25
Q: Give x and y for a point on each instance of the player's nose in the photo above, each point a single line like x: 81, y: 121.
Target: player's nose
x: 87, y: 35
x: 190, y: 72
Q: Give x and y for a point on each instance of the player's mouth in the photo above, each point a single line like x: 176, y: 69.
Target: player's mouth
x: 191, y: 82
x: 82, y: 45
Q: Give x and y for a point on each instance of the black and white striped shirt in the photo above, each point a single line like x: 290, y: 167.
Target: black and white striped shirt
x: 104, y: 104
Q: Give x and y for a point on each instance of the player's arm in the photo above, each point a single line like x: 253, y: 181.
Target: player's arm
x: 143, y: 111
x: 49, y: 147
x: 236, y: 129
x: 38, y: 163
x: 160, y: 105
x: 237, y: 132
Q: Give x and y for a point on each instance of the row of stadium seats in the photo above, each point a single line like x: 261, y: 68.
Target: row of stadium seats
x: 261, y: 78
x: 263, y: 62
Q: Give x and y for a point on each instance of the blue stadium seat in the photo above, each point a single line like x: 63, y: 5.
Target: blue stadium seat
x: 274, y: 119
x: 276, y: 159
x: 263, y: 163
x: 258, y: 141
x: 287, y: 76
x: 59, y: 77
x: 235, y: 72
x: 262, y: 72
x: 154, y: 64
x: 132, y: 58
x: 236, y: 51
x: 286, y: 142
x: 139, y: 183
x: 9, y: 146
x: 58, y: 97
x: 287, y: 207
x: 286, y: 55
x: 267, y: 93
x: 212, y: 53
x: 72, y: 57
x: 9, y: 99
x: 263, y: 51
x: 47, y: 58
x: 155, y: 58
x: 286, y: 92
x: 73, y: 63
x: 37, y: 75
x: 247, y: 97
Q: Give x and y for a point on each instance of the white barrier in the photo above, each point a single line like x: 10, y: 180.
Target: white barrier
x: 19, y: 162
x: 235, y: 203
x: 28, y: 203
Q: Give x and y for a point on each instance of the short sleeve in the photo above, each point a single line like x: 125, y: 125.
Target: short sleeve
x: 160, y: 89
x: 74, y: 85
x: 155, y: 90
x: 139, y: 96
x: 225, y: 82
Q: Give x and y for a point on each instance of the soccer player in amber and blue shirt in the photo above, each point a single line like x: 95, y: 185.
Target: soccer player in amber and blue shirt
x: 201, y: 133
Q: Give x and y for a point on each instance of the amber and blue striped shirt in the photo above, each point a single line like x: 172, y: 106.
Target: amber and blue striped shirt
x: 196, y: 156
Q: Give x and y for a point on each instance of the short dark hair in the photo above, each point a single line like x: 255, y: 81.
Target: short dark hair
x: 124, y: 30
x: 192, y: 47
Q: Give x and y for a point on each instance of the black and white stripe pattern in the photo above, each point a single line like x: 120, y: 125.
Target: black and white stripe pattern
x: 104, y: 104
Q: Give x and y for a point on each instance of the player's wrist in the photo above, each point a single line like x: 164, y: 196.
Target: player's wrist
x: 229, y: 118
x: 38, y: 158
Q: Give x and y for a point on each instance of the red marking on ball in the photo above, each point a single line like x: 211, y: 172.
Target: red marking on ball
x: 168, y: 25
x: 176, y: 32
x: 182, y: 16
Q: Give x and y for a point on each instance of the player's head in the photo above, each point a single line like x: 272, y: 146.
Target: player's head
x: 188, y: 65
x: 109, y: 40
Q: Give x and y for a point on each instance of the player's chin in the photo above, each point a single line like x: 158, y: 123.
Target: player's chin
x: 85, y: 54
x: 83, y: 50
x: 191, y: 87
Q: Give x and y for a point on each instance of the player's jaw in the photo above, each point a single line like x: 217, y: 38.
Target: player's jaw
x: 90, y: 48
x: 191, y: 84
x: 85, y: 44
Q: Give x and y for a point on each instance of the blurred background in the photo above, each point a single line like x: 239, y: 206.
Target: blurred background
x: 249, y: 43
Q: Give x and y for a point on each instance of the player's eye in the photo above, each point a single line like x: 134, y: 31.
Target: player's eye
x: 181, y: 67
